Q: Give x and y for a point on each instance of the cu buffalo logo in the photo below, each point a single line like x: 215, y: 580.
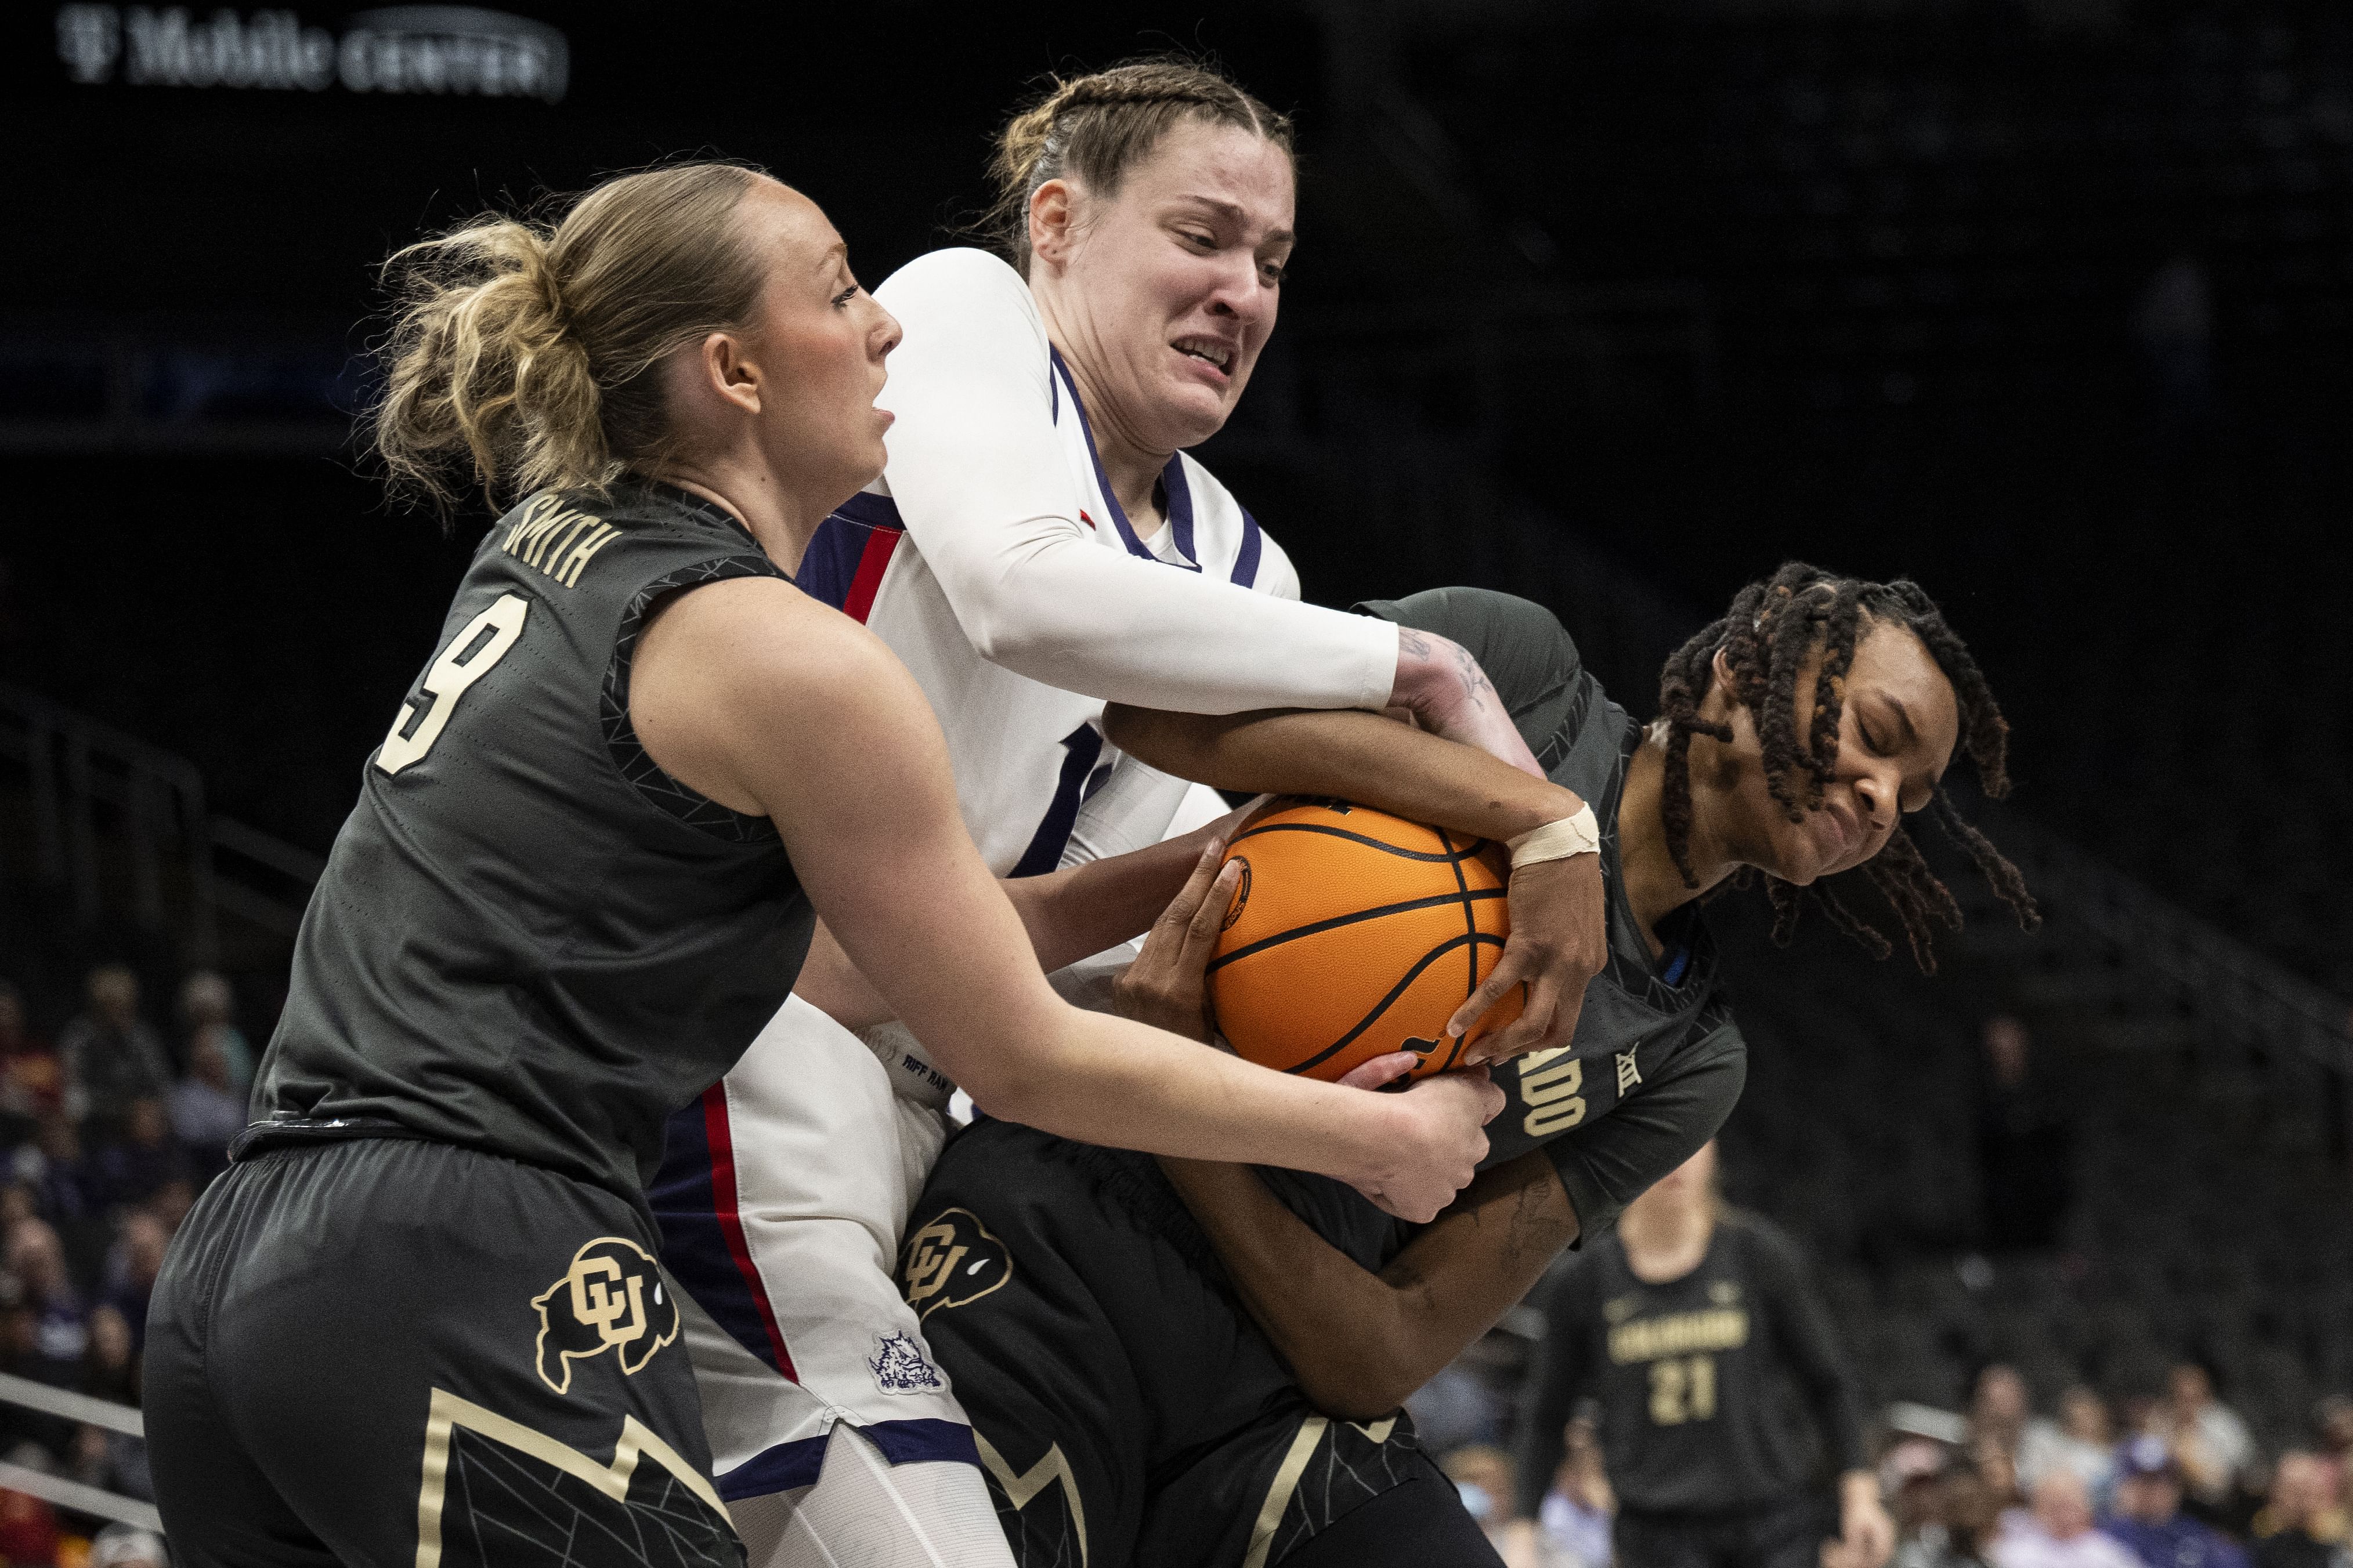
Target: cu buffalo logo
x: 611, y: 1299
x: 951, y: 1261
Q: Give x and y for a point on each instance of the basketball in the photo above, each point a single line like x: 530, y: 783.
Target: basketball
x: 1354, y: 934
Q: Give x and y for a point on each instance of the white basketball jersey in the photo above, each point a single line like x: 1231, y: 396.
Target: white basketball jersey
x: 1027, y: 755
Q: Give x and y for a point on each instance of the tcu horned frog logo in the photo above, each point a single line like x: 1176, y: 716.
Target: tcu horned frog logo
x: 611, y: 1299
x: 951, y: 1261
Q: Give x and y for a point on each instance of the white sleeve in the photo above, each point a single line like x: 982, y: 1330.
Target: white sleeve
x: 981, y: 483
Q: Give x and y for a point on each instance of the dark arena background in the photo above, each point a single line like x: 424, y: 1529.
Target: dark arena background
x: 2047, y: 304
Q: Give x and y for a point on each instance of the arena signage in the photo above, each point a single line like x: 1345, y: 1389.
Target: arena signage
x: 432, y: 49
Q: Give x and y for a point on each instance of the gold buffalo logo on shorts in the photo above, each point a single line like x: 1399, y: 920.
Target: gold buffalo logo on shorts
x: 951, y: 1261
x: 611, y: 1299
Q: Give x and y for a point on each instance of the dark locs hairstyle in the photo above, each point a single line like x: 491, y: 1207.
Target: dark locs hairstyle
x: 1765, y: 638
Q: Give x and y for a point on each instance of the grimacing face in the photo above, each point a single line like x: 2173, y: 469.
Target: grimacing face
x: 1898, y: 724
x: 1170, y: 286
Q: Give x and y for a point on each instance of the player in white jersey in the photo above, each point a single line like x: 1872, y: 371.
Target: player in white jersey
x: 1040, y: 543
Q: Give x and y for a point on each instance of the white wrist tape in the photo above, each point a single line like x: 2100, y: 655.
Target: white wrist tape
x: 1578, y: 833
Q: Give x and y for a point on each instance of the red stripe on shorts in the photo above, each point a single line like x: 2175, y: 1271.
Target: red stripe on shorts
x: 730, y: 1223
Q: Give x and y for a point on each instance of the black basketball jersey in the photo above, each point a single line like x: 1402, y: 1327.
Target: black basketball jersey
x: 1656, y: 1062
x: 1694, y: 1375
x: 529, y: 939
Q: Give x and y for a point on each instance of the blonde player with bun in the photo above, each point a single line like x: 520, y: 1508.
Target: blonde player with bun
x: 420, y: 1316
x: 1038, y: 543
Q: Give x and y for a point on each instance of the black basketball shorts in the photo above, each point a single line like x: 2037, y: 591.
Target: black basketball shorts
x: 398, y: 1353
x: 1127, y: 1409
x: 1786, y: 1533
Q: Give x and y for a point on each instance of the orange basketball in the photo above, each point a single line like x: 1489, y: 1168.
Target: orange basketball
x: 1354, y: 934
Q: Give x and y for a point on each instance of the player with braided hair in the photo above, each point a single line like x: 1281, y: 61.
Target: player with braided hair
x: 1038, y: 543
x: 1202, y: 1364
x: 1757, y: 651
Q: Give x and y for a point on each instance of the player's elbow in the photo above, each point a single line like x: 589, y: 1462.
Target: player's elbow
x: 1363, y: 1375
x: 1024, y: 627
x: 1349, y: 1391
x: 1009, y: 1089
x: 1173, y: 742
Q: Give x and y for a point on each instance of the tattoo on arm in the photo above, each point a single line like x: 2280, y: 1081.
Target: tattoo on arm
x: 1413, y: 642
x: 1474, y: 680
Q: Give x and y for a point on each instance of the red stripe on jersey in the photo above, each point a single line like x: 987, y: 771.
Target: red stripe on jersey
x: 871, y: 563
x: 730, y: 1223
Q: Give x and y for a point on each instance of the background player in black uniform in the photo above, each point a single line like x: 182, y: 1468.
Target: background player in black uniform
x: 1689, y: 1325
x: 420, y: 1320
x: 1133, y: 1409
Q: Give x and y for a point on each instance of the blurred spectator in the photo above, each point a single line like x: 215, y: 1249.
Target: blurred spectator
x: 128, y: 1546
x: 112, y: 1056
x: 2059, y: 1533
x: 1998, y: 1411
x: 115, y: 1461
x: 65, y: 1185
x: 32, y: 1082
x: 60, y: 1337
x: 1964, y: 1519
x: 2149, y: 1520
x: 111, y: 1370
x: 1573, y: 1525
x: 1482, y: 1473
x: 2210, y: 1442
x: 2301, y: 1526
x: 2332, y: 1433
x: 2025, y: 1144
x: 29, y: 1527
x: 1457, y: 1409
x: 207, y: 1111
x: 132, y: 1265
x: 134, y: 1168
x: 208, y: 1005
x: 172, y: 1202
x: 2083, y: 1440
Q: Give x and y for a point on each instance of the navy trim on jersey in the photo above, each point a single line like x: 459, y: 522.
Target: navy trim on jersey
x: 838, y: 549
x: 1179, y: 490
x: 1079, y: 781
x: 1246, y: 558
x: 1103, y: 481
x: 795, y: 1464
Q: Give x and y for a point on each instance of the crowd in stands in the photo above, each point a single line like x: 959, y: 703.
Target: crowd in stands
x: 2170, y: 1480
x: 107, y: 1134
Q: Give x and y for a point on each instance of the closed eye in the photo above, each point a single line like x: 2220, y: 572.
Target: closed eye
x: 847, y: 294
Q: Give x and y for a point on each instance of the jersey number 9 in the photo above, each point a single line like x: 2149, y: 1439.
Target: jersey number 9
x: 469, y: 656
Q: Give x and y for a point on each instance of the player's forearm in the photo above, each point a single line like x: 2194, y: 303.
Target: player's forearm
x: 1100, y: 1079
x: 1359, y: 1341
x: 1332, y: 1320
x: 1356, y: 756
x: 1039, y: 597
x: 1075, y: 913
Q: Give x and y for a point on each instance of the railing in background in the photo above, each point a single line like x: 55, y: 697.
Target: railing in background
x: 82, y: 1407
x: 87, y: 782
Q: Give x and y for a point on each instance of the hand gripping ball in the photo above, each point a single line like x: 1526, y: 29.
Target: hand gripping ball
x: 1354, y: 934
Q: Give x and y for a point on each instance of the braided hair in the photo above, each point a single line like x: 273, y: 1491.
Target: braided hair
x: 1766, y: 636
x: 1095, y: 128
